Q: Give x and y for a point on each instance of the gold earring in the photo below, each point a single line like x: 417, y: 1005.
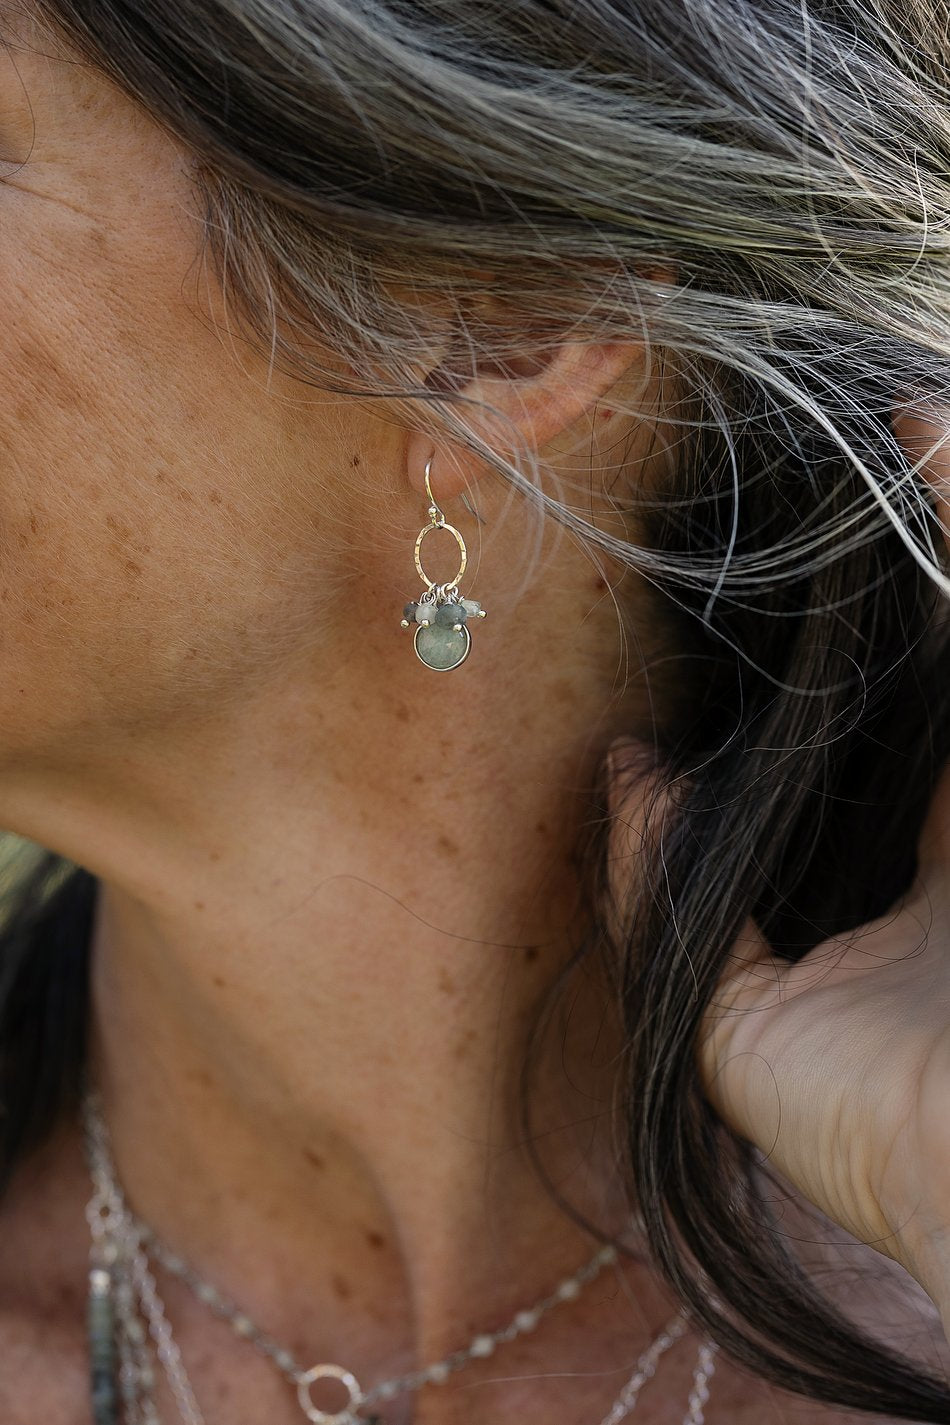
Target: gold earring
x: 440, y: 616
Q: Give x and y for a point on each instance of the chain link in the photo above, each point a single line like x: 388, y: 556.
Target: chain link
x: 122, y: 1241
x: 166, y: 1347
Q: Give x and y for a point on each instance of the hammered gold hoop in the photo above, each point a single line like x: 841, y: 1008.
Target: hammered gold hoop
x: 440, y: 615
x: 417, y: 552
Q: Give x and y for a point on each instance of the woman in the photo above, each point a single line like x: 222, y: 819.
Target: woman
x: 478, y: 1001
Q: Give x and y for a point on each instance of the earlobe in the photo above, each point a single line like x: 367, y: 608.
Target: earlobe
x: 524, y: 410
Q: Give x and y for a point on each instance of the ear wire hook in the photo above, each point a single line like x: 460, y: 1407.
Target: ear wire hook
x: 463, y: 496
x: 434, y: 512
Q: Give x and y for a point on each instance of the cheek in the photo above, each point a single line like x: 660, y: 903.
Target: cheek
x: 121, y: 452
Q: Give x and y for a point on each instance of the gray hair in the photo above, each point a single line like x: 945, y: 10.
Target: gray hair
x: 783, y: 167
x: 758, y: 190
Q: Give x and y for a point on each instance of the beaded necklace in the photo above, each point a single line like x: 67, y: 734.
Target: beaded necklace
x: 128, y: 1325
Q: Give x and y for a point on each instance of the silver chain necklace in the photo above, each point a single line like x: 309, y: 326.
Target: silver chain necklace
x: 128, y: 1324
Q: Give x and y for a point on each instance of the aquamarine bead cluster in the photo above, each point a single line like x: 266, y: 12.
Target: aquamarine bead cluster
x: 442, y: 639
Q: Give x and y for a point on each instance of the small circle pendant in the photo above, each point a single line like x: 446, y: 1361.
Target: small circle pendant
x: 440, y: 646
x: 346, y: 1378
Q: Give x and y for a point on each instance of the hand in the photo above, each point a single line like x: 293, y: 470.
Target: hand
x: 838, y: 1067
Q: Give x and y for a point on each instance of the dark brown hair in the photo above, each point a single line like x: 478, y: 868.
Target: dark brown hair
x: 789, y: 164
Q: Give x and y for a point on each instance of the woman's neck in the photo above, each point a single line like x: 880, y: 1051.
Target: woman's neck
x: 319, y: 956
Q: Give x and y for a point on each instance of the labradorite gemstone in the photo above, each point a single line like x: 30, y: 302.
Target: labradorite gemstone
x: 451, y: 614
x: 101, y: 1323
x: 441, y: 646
x: 409, y: 612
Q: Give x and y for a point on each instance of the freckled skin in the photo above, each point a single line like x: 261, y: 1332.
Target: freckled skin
x: 129, y: 494
x: 464, y: 1045
x: 204, y: 569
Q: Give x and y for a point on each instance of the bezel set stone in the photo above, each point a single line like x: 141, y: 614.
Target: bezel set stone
x: 442, y: 610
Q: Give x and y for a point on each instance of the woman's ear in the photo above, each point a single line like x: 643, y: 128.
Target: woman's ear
x: 535, y: 399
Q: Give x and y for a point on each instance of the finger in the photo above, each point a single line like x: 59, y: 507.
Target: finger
x: 735, y: 1075
x: 924, y: 434
x: 642, y: 803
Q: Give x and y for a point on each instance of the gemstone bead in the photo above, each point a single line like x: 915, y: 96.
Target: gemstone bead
x: 472, y: 607
x: 439, y: 1373
x: 451, y: 614
x: 527, y: 1320
x: 101, y: 1326
x: 440, y: 646
x: 482, y: 1346
x: 409, y: 613
x: 425, y: 611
